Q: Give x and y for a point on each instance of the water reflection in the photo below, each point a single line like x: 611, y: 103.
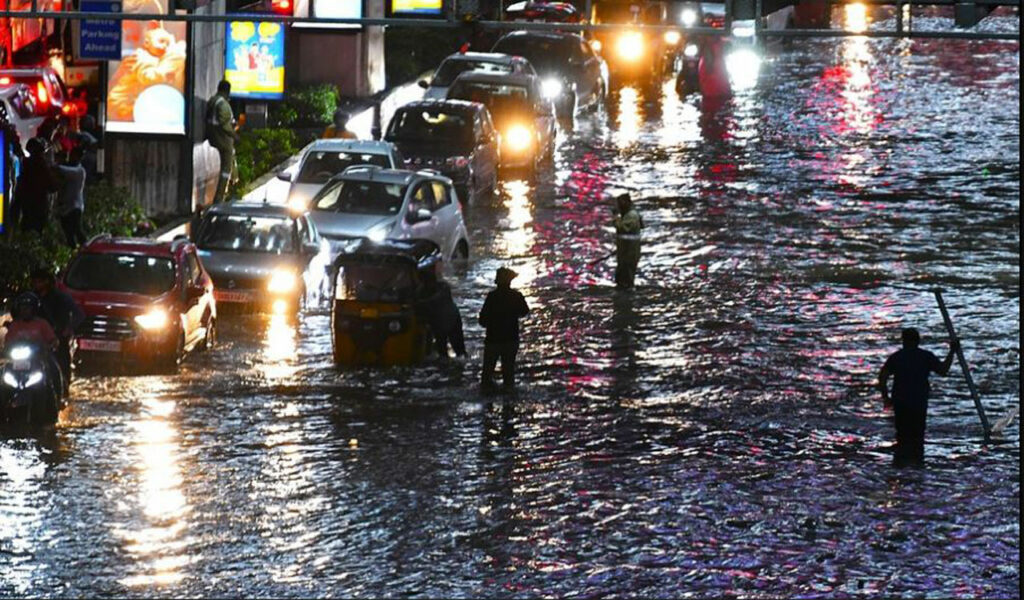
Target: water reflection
x: 628, y: 117
x: 158, y: 546
x: 22, y: 507
x: 279, y: 349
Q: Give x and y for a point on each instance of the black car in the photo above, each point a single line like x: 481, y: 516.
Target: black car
x: 453, y: 137
x: 572, y: 75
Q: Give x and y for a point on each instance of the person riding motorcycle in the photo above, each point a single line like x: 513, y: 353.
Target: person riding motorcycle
x: 31, y: 329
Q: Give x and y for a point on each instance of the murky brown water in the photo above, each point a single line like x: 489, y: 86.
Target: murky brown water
x: 714, y: 433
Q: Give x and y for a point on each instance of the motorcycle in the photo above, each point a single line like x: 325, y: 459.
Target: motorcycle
x: 30, y: 386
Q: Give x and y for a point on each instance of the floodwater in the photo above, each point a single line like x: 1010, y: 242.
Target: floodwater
x: 716, y: 432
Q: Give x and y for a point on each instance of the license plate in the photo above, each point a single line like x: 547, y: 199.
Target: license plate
x: 368, y: 313
x: 21, y: 365
x: 99, y: 345
x: 232, y: 296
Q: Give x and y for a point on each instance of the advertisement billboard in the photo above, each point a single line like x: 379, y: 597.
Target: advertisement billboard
x: 329, y: 9
x: 254, y: 61
x: 417, y: 8
x: 146, y: 90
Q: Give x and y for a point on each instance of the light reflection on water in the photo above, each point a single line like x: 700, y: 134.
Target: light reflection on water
x: 715, y: 432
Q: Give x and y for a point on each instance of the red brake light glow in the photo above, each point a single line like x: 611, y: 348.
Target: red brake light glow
x: 5, y: 81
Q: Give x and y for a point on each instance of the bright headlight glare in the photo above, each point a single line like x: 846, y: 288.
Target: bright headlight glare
x: 281, y: 281
x: 551, y: 88
x: 690, y: 50
x: 672, y: 37
x: 743, y: 66
x: 378, y: 234
x: 595, y: 45
x: 630, y: 45
x: 21, y: 353
x: 154, y: 319
x: 10, y: 379
x: 518, y: 137
x: 34, y: 378
x: 688, y: 17
x: 742, y: 30
x: 297, y: 206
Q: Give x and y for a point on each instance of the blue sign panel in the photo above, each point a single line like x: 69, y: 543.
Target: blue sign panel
x: 100, y: 38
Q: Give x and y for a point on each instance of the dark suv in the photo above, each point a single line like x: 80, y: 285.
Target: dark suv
x: 145, y: 301
x: 454, y: 137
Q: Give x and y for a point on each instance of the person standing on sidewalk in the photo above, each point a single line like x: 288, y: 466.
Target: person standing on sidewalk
x: 500, y: 315
x: 222, y: 135
x: 71, y: 203
x: 35, y: 184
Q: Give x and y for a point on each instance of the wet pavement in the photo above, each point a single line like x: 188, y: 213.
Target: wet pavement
x: 716, y: 432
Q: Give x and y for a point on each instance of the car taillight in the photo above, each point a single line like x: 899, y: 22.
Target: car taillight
x: 281, y: 7
x: 714, y: 21
x: 41, y: 95
x: 5, y: 81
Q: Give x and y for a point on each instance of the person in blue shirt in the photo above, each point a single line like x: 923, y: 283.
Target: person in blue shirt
x: 910, y: 367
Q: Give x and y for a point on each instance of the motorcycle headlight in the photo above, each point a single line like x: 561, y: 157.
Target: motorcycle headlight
x: 379, y: 233
x: 518, y: 138
x: 630, y: 46
x: 688, y: 17
x: 551, y: 88
x: 690, y: 50
x: 281, y: 281
x: 34, y: 378
x: 152, y: 320
x: 21, y: 353
x: 672, y: 37
x: 10, y: 379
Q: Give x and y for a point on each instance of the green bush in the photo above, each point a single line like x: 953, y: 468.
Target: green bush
x: 305, y: 106
x: 258, y: 150
x: 108, y: 209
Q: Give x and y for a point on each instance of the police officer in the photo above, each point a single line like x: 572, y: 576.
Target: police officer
x: 220, y: 131
x: 627, y: 242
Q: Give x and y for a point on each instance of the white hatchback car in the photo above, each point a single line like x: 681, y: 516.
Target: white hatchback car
x: 461, y: 62
x: 323, y: 159
x: 378, y: 204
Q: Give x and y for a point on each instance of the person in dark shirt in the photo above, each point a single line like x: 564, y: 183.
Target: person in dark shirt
x: 500, y: 317
x: 63, y: 314
x: 910, y: 368
x: 441, y: 313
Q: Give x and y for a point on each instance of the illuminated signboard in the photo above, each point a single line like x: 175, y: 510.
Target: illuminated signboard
x: 329, y: 9
x: 146, y: 91
x: 418, y: 8
x: 254, y: 64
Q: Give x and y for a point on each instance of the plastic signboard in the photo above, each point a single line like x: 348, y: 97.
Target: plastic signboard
x: 329, y: 9
x: 254, y: 61
x: 416, y: 8
x: 146, y: 89
x: 100, y: 38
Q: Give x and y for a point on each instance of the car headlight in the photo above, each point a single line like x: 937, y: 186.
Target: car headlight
x: 518, y: 138
x: 672, y: 37
x: 21, y: 353
x: 690, y: 50
x: 281, y: 281
x: 595, y: 45
x: 630, y: 45
x: 688, y: 17
x: 551, y: 88
x: 154, y: 319
x: 34, y: 378
x: 10, y: 379
x: 743, y: 66
x: 379, y: 233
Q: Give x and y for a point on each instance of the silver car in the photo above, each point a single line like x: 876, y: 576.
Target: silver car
x: 324, y: 159
x: 378, y: 204
x: 459, y: 63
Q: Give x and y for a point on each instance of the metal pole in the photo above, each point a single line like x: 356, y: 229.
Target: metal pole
x: 899, y: 16
x: 758, y: 26
x: 963, y: 364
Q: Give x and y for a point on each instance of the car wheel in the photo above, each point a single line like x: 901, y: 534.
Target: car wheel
x: 169, y: 364
x: 569, y: 113
x: 461, y: 251
x: 211, y: 335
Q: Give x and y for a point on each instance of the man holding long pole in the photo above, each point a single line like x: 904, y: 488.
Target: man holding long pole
x: 910, y: 368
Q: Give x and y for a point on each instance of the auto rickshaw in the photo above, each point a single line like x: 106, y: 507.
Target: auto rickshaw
x: 378, y: 289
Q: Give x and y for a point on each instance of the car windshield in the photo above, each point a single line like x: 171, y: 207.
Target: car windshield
x: 246, y: 233
x: 500, y: 99
x: 362, y: 197
x: 544, y: 53
x: 146, y: 275
x: 375, y: 283
x: 434, y: 125
x: 453, y: 67
x: 320, y: 166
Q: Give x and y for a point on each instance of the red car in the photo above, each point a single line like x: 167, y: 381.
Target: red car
x: 146, y: 302
x: 47, y: 89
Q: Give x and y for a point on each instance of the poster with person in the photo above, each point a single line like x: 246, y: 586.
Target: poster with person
x: 254, y: 64
x: 146, y: 89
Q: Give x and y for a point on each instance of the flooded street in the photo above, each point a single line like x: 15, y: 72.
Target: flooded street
x: 716, y: 432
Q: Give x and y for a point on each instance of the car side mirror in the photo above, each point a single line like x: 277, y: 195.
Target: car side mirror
x: 284, y: 175
x: 310, y: 248
x: 420, y: 215
x: 423, y: 83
